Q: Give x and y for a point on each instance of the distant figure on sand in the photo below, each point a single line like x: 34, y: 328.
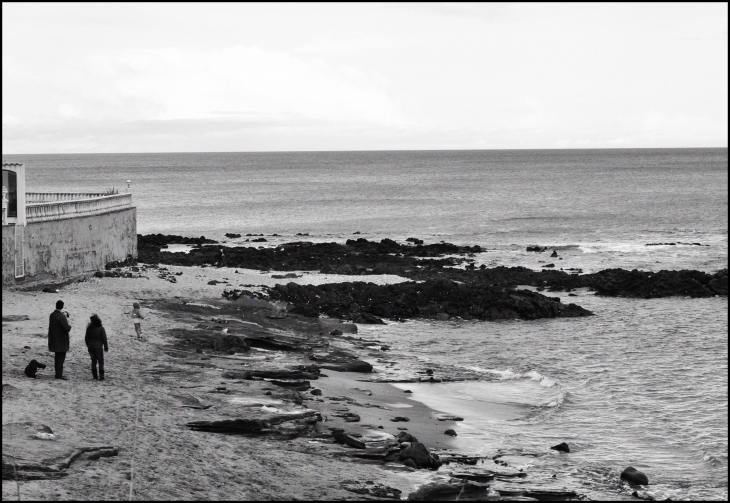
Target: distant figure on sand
x: 221, y: 258
x: 58, y: 338
x: 137, y: 317
x: 95, y: 342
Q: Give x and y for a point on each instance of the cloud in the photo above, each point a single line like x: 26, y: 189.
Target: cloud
x: 187, y: 91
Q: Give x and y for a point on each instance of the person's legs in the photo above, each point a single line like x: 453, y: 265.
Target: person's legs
x: 92, y: 353
x: 138, y: 329
x: 58, y: 362
x: 100, y: 357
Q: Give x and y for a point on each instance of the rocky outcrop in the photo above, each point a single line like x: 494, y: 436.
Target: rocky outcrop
x: 309, y: 373
x: 562, y: 447
x: 264, y: 426
x: 634, y: 476
x: 450, y: 491
x: 371, y: 489
x: 647, y: 285
x: 430, y: 299
x: 354, y: 257
x: 429, y: 262
x: 418, y: 456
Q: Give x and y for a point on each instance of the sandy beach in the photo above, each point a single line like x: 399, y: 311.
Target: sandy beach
x: 152, y: 390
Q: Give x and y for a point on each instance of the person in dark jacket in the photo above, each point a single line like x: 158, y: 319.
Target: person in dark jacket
x: 58, y: 338
x: 96, y: 341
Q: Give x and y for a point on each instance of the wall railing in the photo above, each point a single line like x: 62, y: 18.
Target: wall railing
x: 82, y: 204
x: 48, y: 197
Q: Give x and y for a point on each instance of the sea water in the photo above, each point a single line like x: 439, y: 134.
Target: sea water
x: 641, y: 383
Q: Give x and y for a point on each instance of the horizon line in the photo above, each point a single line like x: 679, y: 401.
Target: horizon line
x: 372, y: 150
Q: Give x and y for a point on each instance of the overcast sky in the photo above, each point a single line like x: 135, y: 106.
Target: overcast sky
x: 268, y: 77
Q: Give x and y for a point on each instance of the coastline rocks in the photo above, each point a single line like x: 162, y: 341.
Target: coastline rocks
x: 259, y: 426
x: 354, y: 257
x: 367, y: 319
x: 231, y: 235
x: 419, y: 456
x: 562, y: 447
x: 463, y: 490
x: 450, y: 433
x: 622, y: 283
x: 406, y: 437
x: 433, y: 263
x: 341, y: 361
x: 370, y: 488
x: 448, y: 417
x: 346, y: 439
x: 634, y: 476
x: 421, y: 300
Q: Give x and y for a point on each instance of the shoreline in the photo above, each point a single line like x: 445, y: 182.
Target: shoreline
x: 147, y: 386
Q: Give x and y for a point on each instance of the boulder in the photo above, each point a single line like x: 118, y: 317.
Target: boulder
x: 450, y: 433
x: 420, y: 456
x: 634, y: 476
x: 406, y: 437
x: 343, y: 362
x: 562, y: 447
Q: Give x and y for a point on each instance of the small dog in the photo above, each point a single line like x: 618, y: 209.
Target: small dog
x: 33, y: 367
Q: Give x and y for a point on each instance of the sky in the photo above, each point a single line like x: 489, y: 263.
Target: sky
x: 237, y: 77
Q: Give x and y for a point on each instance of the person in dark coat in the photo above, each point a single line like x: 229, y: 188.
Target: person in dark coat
x: 96, y: 341
x: 58, y: 338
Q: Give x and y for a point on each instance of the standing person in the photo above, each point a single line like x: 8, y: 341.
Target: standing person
x: 137, y: 317
x: 58, y: 338
x: 95, y: 342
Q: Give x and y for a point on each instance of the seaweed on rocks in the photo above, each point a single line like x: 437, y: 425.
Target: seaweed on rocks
x: 430, y: 262
x: 436, y: 299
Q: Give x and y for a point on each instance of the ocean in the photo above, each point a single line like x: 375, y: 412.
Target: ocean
x: 642, y: 383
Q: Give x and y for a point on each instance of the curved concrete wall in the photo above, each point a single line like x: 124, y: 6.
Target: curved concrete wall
x: 62, y: 249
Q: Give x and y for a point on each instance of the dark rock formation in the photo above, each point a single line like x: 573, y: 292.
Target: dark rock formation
x: 449, y: 491
x: 296, y: 385
x: 562, y: 447
x: 428, y: 262
x: 450, y: 433
x: 421, y: 300
x: 354, y: 257
x: 258, y: 426
x: 406, y: 437
x: 127, y: 262
x: 420, y: 456
x: 634, y: 476
x: 344, y: 438
x: 372, y: 489
x: 232, y: 235
x: 311, y: 372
